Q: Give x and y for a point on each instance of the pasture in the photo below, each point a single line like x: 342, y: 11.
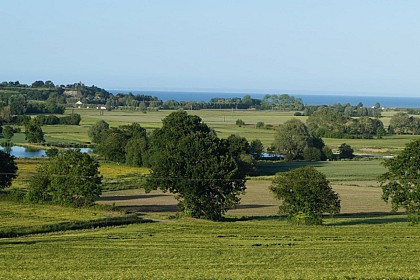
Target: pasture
x: 364, y: 241
x: 222, y: 121
x: 348, y: 247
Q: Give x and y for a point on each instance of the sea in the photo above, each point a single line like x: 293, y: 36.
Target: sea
x: 308, y: 98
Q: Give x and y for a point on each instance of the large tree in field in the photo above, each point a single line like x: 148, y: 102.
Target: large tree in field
x: 305, y: 194
x: 97, y: 130
x: 70, y: 177
x: 401, y: 183
x: 8, y: 169
x: 292, y: 138
x: 189, y: 160
x: 34, y: 133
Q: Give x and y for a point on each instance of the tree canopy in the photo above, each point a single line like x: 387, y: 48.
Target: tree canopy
x: 126, y: 144
x: 305, y: 194
x: 69, y: 177
x: 189, y: 160
x: 291, y: 139
x: 8, y: 169
x: 401, y: 183
x: 34, y: 133
x: 96, y: 131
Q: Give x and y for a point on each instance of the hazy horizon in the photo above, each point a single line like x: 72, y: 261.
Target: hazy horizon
x: 331, y: 47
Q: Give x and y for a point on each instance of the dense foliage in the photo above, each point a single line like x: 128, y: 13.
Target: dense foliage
x: 401, y: 183
x: 33, y: 132
x: 96, y: 131
x: 70, y: 177
x: 294, y: 140
x: 402, y: 123
x: 305, y: 194
x: 326, y: 122
x: 8, y: 169
x: 125, y: 144
x: 189, y: 160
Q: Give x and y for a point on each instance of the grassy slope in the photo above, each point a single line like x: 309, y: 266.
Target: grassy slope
x: 379, y: 247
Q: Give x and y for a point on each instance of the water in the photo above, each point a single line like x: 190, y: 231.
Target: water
x: 308, y: 98
x: 26, y: 152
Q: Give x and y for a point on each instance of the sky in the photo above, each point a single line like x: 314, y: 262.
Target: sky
x: 363, y: 47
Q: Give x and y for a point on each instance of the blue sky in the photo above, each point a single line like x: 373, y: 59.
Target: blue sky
x: 366, y: 47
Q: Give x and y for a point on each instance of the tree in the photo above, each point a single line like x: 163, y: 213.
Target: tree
x: 345, y: 151
x: 96, y: 131
x: 17, y: 104
x: 240, y: 122
x: 8, y: 132
x: 70, y: 177
x: 127, y: 143
x: 34, y: 133
x: 256, y: 148
x: 8, y: 169
x: 112, y: 146
x: 260, y: 125
x: 400, y: 123
x: 401, y: 183
x: 189, y: 160
x: 306, y: 194
x: 291, y: 139
x: 136, y: 151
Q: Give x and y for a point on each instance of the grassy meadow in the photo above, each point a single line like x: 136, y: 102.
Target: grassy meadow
x: 222, y: 121
x: 365, y: 241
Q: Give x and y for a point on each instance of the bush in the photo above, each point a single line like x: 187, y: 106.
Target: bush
x: 260, y: 125
x: 240, y: 122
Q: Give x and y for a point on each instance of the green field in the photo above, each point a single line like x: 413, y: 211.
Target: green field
x: 222, y: 121
x: 363, y: 242
x: 377, y: 247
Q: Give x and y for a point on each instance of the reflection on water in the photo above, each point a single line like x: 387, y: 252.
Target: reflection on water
x: 27, y: 152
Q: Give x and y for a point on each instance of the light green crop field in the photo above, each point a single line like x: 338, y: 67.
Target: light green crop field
x: 377, y: 247
x: 15, y: 216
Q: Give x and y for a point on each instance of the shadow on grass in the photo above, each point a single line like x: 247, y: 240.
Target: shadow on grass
x: 251, y: 206
x: 371, y: 218
x: 268, y: 168
x: 128, y: 197
x: 254, y: 218
x: 157, y: 208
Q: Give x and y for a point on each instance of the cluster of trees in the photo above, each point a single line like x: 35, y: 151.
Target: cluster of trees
x: 325, y: 122
x: 186, y: 158
x: 125, y: 144
x: 282, y: 102
x: 73, y: 119
x: 296, y: 142
x: 347, y: 110
x: 403, y: 123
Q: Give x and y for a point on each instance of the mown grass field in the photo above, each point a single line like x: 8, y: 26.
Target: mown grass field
x: 379, y: 247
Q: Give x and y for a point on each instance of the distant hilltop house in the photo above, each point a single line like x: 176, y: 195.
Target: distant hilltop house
x: 79, y: 104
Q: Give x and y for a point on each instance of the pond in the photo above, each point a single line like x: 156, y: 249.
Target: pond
x: 27, y: 152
